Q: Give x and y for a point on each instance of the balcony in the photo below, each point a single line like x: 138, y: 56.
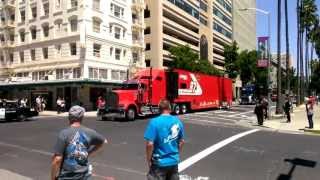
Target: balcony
x: 138, y: 4
x: 9, y: 4
x: 136, y: 24
x: 8, y: 44
x: 8, y: 24
x: 136, y: 43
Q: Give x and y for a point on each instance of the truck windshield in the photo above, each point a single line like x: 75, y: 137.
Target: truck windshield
x: 131, y: 86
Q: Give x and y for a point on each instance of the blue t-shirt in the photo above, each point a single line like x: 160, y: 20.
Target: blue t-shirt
x: 165, y: 132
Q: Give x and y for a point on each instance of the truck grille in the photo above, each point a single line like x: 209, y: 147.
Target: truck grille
x: 112, y: 100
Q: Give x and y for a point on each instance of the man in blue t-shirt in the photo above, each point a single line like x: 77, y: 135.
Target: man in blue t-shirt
x: 164, y: 137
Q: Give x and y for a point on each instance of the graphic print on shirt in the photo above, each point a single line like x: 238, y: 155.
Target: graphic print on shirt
x: 173, y: 134
x: 77, y: 151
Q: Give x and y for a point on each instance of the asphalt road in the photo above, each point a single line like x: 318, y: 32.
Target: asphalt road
x: 25, y: 149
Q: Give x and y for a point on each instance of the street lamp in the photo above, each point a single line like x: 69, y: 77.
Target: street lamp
x: 269, y: 53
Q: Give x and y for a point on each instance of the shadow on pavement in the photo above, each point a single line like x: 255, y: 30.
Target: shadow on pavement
x: 294, y: 163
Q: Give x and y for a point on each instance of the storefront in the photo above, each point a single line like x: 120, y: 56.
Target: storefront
x: 85, y: 92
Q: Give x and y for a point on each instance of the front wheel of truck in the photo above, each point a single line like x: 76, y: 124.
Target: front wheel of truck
x: 131, y: 114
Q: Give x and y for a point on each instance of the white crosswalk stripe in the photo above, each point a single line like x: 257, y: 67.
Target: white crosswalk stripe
x: 220, y: 116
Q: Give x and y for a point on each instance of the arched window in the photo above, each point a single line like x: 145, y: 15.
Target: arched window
x: 204, y: 47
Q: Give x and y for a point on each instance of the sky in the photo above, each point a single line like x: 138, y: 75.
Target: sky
x: 262, y: 24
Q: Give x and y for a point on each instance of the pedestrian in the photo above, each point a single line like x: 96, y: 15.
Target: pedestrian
x: 287, y: 108
x: 43, y: 104
x: 164, y: 137
x: 265, y: 105
x: 258, y: 110
x: 38, y: 103
x: 100, y: 104
x: 59, y: 100
x: 63, y: 105
x: 309, y: 110
x: 74, y: 146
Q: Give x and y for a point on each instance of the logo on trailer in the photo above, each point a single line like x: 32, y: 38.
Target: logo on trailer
x: 194, y: 89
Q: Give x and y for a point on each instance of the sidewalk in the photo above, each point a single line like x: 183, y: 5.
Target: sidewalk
x: 65, y: 114
x: 299, y: 121
x: 8, y: 175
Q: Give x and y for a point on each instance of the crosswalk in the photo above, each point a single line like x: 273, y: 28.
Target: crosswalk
x: 227, y: 117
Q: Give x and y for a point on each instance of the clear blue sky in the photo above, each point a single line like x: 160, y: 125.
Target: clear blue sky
x: 262, y: 26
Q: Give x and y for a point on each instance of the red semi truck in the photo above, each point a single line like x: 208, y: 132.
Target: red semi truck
x: 187, y: 91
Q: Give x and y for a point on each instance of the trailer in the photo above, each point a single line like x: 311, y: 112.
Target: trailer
x: 187, y: 91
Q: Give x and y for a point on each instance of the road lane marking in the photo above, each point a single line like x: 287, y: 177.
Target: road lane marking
x: 197, y: 157
x: 45, y: 153
x: 239, y: 114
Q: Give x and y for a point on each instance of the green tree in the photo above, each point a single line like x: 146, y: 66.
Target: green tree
x: 231, y: 56
x: 185, y: 58
x: 315, y: 78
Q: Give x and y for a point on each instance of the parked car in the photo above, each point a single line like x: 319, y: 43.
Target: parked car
x: 11, y: 110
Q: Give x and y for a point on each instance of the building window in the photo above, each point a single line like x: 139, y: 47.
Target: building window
x: 222, y: 30
x: 146, y: 13
x: 58, y: 50
x: 96, y: 5
x: 73, y: 49
x: 96, y: 50
x: 35, y: 76
x: 58, y: 27
x: 96, y: 25
x: 185, y: 6
x: 11, y: 58
x: 224, y: 18
x: 203, y: 21
x: 33, y: 54
x: 117, y: 32
x: 21, y: 54
x: 225, y: 5
x: 22, y: 15
x: 111, y: 51
x: 203, y: 6
x: 34, y: 12
x: 204, y: 48
x: 22, y: 35
x: 74, y: 3
x: 58, y: 4
x: 115, y: 75
x: 42, y: 75
x: 45, y: 53
x: 110, y: 29
x: 118, y: 54
x: 147, y: 30
x: 45, y: 29
x: 148, y: 46
x: 33, y: 33
x: 59, y: 73
x: 74, y: 25
x: 76, y: 73
x: 123, y: 75
x: 103, y: 74
x: 117, y: 10
x: 93, y: 73
x: 46, y: 9
x: 135, y: 57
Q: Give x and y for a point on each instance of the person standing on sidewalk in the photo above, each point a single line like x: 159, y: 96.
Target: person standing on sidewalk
x: 164, y: 137
x: 309, y: 109
x: 258, y: 110
x: 73, y: 148
x: 287, y: 107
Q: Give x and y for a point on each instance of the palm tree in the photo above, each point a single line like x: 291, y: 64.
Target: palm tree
x: 279, y: 93
x: 298, y: 52
x: 309, y: 19
x: 287, y: 45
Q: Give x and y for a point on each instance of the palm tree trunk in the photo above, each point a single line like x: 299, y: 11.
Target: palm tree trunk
x: 298, y: 54
x: 279, y: 90
x: 287, y: 46
x: 311, y: 59
x: 301, y: 56
x: 306, y: 64
x: 301, y: 65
